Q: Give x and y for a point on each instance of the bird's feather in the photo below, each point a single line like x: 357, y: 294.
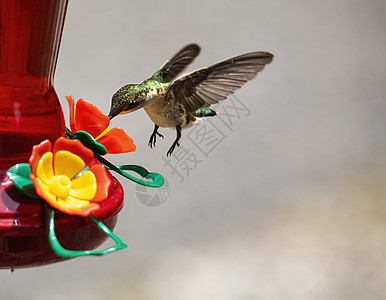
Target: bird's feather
x: 210, y: 85
x: 172, y: 67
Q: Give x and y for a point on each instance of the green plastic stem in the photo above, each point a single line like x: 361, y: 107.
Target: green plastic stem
x: 157, y: 179
x: 60, y: 251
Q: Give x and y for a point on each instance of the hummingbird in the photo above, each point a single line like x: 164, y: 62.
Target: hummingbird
x: 180, y: 103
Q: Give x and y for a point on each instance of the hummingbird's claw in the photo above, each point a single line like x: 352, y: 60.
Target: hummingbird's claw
x: 170, y: 151
x: 153, y: 137
x: 176, y: 143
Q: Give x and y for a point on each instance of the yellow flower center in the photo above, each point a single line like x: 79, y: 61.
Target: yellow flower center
x: 60, y: 186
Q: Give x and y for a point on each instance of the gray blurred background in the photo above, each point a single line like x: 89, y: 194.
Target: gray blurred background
x: 289, y: 203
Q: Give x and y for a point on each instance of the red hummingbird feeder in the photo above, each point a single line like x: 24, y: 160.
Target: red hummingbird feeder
x: 30, y: 113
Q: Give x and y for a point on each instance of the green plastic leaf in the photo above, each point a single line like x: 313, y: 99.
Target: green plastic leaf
x: 156, y: 179
x: 20, y: 176
x: 88, y: 141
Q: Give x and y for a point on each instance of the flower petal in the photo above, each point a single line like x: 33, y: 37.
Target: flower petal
x: 74, y: 206
x: 103, y: 182
x: 44, y: 169
x: 37, y: 153
x: 117, y: 141
x: 84, y: 187
x: 74, y: 146
x: 43, y: 190
x: 90, y: 119
x: 67, y: 163
x: 71, y: 104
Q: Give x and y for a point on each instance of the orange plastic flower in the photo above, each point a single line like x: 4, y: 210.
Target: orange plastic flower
x: 67, y: 177
x: 87, y: 117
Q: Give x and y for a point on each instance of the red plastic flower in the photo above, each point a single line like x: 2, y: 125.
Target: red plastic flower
x: 87, y: 117
x: 68, y: 177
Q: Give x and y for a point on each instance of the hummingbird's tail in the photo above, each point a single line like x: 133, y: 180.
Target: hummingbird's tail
x: 204, y: 112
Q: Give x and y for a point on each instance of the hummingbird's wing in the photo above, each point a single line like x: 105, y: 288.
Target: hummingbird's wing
x: 172, y: 67
x: 210, y: 85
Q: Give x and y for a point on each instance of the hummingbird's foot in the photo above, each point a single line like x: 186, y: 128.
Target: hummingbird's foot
x: 170, y: 151
x: 153, y: 136
x: 176, y: 142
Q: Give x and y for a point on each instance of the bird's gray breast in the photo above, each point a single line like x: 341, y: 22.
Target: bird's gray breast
x: 165, y: 114
x: 164, y: 111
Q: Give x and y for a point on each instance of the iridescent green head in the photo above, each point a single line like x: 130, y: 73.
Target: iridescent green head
x: 125, y: 100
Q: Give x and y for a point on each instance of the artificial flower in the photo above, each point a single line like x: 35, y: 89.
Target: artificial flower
x: 68, y: 177
x: 87, y: 117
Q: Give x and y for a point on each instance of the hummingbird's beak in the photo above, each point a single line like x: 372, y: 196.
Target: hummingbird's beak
x: 113, y: 113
